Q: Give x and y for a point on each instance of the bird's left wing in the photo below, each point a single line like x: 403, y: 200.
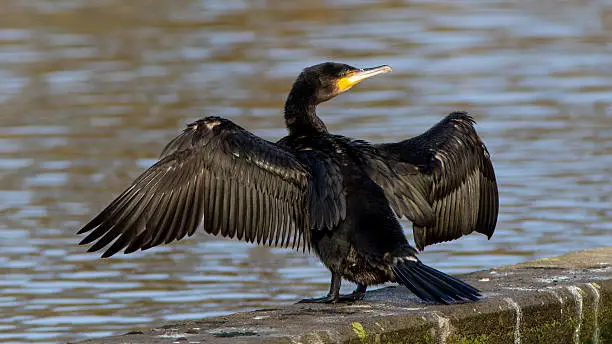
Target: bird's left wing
x: 451, y: 167
x: 239, y: 184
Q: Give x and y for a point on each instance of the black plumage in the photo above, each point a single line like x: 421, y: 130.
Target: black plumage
x: 339, y: 196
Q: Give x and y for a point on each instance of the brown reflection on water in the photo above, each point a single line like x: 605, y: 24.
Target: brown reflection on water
x: 92, y: 90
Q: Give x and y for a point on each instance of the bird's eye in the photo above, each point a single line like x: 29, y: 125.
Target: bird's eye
x: 343, y: 73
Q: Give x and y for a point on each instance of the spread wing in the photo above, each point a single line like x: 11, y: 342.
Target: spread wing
x: 215, y: 172
x: 454, y: 173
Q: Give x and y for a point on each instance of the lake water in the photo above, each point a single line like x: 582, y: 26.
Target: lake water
x: 91, y: 91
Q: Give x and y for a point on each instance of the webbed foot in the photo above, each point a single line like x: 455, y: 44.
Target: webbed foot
x: 334, y: 290
x: 324, y: 299
x: 352, y: 297
x: 357, y: 295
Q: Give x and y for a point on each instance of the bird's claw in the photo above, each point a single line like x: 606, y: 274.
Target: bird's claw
x: 352, y: 297
x: 324, y: 299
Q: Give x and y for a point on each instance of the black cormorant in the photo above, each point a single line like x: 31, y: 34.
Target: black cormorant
x: 313, y: 189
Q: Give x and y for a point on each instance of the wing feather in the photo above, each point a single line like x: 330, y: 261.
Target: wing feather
x: 218, y: 174
x: 454, y: 174
x: 402, y: 184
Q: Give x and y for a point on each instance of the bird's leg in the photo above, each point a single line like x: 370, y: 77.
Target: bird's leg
x: 334, y: 291
x: 357, y: 295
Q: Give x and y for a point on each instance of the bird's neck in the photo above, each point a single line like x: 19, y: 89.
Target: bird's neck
x: 301, y: 114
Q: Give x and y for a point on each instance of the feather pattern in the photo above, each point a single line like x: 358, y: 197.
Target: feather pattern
x: 402, y: 184
x: 450, y: 166
x: 327, y: 200
x: 215, y: 172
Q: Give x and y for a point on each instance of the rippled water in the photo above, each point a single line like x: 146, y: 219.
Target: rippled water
x: 91, y: 91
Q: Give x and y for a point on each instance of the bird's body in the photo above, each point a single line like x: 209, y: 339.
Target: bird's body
x: 313, y: 189
x: 356, y: 246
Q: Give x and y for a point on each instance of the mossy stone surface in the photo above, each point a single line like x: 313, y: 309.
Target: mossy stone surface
x: 564, y: 299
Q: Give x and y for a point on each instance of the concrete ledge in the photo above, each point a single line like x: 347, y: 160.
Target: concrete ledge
x: 566, y: 299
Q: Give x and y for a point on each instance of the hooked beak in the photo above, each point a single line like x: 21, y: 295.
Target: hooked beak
x: 354, y: 77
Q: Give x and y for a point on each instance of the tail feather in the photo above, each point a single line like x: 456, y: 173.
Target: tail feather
x: 455, y: 282
x: 446, y: 290
x: 432, y: 285
x: 406, y: 278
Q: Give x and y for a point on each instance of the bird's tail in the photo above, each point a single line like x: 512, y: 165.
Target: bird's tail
x: 430, y: 284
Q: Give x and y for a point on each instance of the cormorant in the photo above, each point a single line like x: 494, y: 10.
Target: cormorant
x: 313, y: 189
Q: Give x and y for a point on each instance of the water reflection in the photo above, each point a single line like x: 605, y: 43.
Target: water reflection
x: 91, y: 91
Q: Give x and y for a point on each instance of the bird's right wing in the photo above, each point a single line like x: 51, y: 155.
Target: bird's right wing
x: 241, y: 185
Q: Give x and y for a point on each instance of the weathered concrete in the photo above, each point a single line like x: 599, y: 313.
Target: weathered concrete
x: 565, y: 299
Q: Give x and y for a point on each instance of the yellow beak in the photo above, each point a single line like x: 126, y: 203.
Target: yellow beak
x: 354, y: 77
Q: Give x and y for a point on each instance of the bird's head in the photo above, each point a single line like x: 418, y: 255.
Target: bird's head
x: 327, y: 80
